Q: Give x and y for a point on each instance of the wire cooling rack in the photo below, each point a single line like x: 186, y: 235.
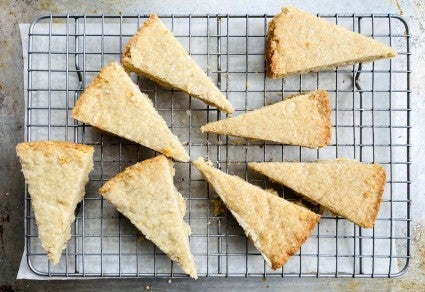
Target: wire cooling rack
x: 370, y: 118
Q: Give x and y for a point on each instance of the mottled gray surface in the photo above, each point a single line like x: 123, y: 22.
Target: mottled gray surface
x: 11, y: 132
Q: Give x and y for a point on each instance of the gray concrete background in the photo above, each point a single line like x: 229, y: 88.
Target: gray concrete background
x: 11, y: 132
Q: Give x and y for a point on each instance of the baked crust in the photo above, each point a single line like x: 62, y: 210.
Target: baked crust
x: 49, y: 147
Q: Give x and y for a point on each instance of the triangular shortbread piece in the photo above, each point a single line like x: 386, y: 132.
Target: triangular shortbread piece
x: 346, y: 187
x: 276, y: 227
x: 155, y: 53
x: 145, y: 194
x: 303, y: 120
x: 56, y: 174
x: 299, y: 42
x: 113, y: 103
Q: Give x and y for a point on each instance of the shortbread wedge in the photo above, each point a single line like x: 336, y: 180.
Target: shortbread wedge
x: 346, y: 187
x: 154, y: 52
x: 276, y: 227
x: 113, y: 103
x: 56, y: 174
x: 303, y: 120
x: 145, y: 194
x: 299, y: 42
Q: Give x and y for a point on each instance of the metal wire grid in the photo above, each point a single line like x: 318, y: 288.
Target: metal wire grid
x: 371, y: 123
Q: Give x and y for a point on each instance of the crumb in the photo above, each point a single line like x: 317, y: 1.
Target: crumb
x: 201, y: 205
x: 188, y: 113
x: 237, y: 141
x: 185, y: 143
x: 247, y: 85
x: 140, y: 237
x: 299, y: 203
x: 169, y: 281
x: 272, y: 191
x: 218, y: 207
x: 147, y: 287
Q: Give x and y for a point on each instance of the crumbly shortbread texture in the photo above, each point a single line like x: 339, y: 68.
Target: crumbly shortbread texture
x: 114, y: 103
x: 56, y: 174
x: 154, y: 52
x: 346, y: 187
x: 303, y: 120
x: 276, y: 226
x: 299, y: 42
x: 145, y: 194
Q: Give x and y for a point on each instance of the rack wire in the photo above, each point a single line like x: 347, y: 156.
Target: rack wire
x: 370, y: 122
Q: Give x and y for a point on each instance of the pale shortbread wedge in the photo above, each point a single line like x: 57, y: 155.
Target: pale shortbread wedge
x: 155, y: 53
x: 346, y: 187
x: 56, y: 174
x: 113, y: 103
x: 299, y: 42
x: 303, y: 120
x: 276, y: 227
x: 145, y: 194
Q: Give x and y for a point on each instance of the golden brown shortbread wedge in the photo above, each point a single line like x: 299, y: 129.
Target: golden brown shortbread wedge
x: 56, y: 173
x: 346, y: 187
x: 145, y: 194
x: 299, y: 42
x: 303, y: 120
x: 154, y: 52
x: 113, y: 103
